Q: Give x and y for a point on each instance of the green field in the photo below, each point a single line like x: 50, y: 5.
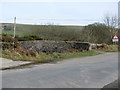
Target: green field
x: 48, y: 32
x: 25, y: 29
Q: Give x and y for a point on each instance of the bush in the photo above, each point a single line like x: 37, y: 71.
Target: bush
x: 8, y: 42
x: 27, y: 52
x: 97, y: 33
x: 30, y: 37
x: 4, y: 34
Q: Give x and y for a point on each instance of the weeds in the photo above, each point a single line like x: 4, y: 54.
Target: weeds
x: 45, y: 57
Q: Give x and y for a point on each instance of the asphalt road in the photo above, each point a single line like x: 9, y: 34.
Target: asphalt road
x: 87, y: 72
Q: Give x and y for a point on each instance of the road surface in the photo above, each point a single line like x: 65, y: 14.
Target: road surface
x: 86, y: 72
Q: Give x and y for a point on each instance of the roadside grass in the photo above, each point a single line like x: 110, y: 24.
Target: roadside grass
x: 43, y: 57
x: 110, y: 48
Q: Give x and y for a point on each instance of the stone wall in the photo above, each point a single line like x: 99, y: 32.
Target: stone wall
x: 53, y: 46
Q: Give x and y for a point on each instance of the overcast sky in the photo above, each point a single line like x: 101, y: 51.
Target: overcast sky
x: 68, y: 13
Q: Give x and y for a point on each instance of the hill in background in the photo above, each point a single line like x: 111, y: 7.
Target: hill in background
x: 51, y: 32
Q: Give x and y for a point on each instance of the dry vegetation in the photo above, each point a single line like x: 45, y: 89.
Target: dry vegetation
x: 44, y: 57
x: 108, y: 48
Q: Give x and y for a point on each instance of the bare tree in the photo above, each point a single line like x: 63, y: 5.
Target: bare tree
x: 111, y: 22
x: 96, y: 33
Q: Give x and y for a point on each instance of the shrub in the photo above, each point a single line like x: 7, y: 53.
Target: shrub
x: 105, y: 46
x: 102, y: 46
x: 4, y: 34
x: 27, y: 52
x: 8, y: 42
x: 30, y: 37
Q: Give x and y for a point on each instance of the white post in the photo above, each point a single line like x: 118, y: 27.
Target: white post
x: 14, y: 30
x: 14, y: 27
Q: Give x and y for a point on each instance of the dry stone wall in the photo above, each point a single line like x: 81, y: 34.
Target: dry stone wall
x: 53, y: 46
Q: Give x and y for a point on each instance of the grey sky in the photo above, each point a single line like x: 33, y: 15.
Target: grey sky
x: 69, y: 13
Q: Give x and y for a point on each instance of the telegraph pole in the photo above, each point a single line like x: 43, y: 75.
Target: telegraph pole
x: 14, y: 32
x: 14, y: 26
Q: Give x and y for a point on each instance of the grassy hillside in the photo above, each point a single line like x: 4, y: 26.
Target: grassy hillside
x: 25, y: 29
x: 54, y: 32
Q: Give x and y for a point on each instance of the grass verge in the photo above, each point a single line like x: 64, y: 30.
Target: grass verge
x: 43, y: 57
